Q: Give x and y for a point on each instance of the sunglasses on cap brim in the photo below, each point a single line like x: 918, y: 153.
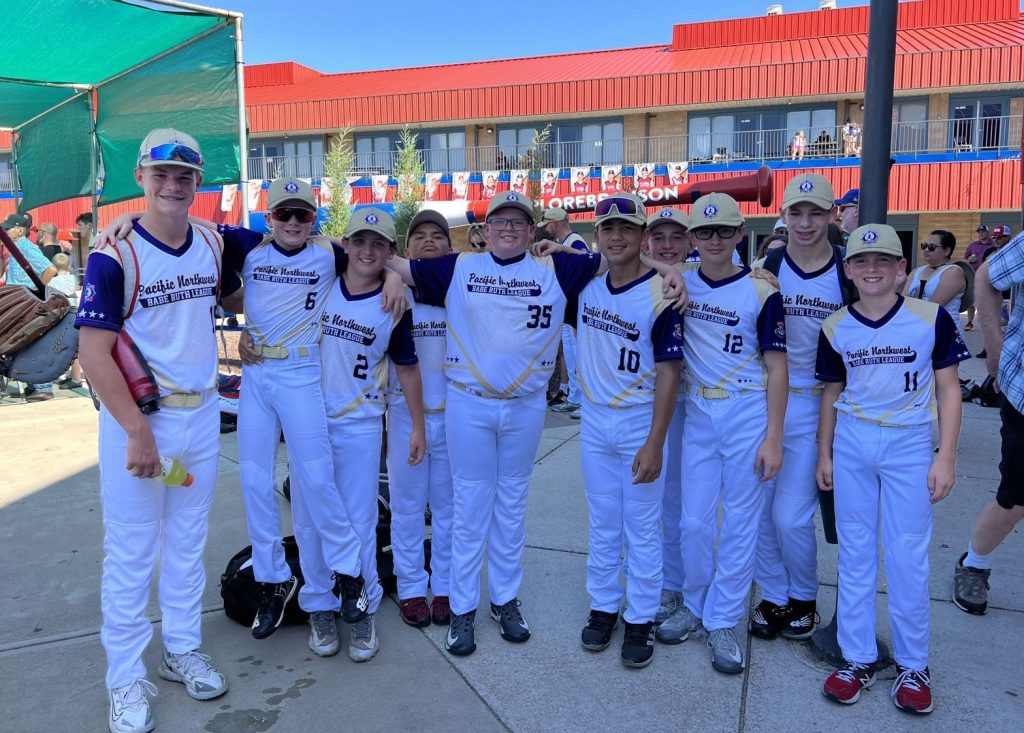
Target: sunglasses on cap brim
x: 627, y: 207
x: 285, y: 213
x: 174, y: 153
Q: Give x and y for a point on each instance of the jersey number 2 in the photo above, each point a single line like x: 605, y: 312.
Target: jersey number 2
x: 362, y: 365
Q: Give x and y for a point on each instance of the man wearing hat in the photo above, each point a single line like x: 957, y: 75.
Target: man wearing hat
x: 555, y: 223
x: 144, y: 520
x: 849, y: 211
x: 17, y: 227
x: 975, y: 254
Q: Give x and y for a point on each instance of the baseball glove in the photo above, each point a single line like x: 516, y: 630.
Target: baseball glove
x: 24, y: 318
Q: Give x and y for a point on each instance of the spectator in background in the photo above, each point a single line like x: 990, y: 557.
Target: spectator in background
x: 772, y: 241
x: 823, y: 144
x: 65, y: 282
x: 477, y: 238
x: 975, y: 254
x: 1000, y: 237
x: 52, y: 246
x: 86, y: 228
x: 849, y: 211
x: 780, y: 228
x: 851, y: 138
x: 798, y: 146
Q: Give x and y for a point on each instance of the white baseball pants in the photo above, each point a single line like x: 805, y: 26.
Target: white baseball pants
x: 144, y: 520
x: 412, y: 487
x: 722, y: 437
x: 883, y: 470
x: 492, y: 445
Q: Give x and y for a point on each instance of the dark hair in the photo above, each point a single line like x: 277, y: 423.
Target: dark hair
x: 946, y: 239
x: 85, y: 216
x: 762, y: 250
x: 835, y: 236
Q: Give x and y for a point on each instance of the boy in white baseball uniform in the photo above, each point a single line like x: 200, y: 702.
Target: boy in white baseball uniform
x: 735, y: 358
x: 667, y: 242
x: 359, y: 341
x: 413, y: 487
x: 887, y: 362
x: 176, y: 271
x: 630, y: 343
x: 813, y: 286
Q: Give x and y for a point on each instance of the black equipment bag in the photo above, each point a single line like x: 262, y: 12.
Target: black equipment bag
x: 239, y: 590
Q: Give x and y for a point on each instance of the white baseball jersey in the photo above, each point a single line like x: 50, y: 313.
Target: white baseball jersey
x: 575, y: 241
x: 925, y: 288
x: 622, y: 333
x: 889, y: 364
x: 729, y: 323
x: 504, y: 316
x: 358, y: 338
x: 429, y: 333
x: 172, y: 317
x: 285, y: 290
x: 808, y: 298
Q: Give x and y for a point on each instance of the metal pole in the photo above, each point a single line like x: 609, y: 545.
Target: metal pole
x: 878, y: 83
x: 243, y: 143
x: 94, y: 167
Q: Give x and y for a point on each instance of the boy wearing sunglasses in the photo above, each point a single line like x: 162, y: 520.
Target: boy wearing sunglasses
x: 887, y: 362
x: 169, y: 316
x: 735, y: 356
x: 630, y: 344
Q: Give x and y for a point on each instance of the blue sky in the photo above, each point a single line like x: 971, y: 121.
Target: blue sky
x: 331, y: 35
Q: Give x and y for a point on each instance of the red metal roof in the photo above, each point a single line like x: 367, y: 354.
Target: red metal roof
x: 941, y: 43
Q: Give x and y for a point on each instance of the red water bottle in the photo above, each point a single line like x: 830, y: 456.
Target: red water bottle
x: 137, y: 373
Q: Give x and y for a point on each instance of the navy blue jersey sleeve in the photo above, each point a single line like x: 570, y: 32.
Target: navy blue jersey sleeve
x: 238, y: 243
x: 667, y: 335
x: 340, y: 260
x: 949, y: 348
x: 771, y: 324
x: 572, y: 311
x: 433, y: 278
x: 401, y: 348
x: 230, y: 281
x: 102, y: 300
x: 574, y: 272
x: 829, y: 366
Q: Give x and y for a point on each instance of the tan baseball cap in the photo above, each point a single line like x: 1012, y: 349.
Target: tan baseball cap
x: 511, y: 199
x: 880, y: 238
x: 429, y: 215
x: 372, y: 219
x: 809, y: 187
x: 170, y: 147
x: 666, y: 216
x: 715, y: 210
x: 290, y: 190
x: 626, y: 206
x: 555, y: 214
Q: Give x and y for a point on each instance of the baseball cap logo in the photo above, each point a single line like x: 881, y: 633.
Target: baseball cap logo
x: 291, y: 187
x: 511, y: 197
x: 870, y: 237
x: 371, y: 219
x: 806, y: 187
x: 666, y: 214
x: 710, y: 211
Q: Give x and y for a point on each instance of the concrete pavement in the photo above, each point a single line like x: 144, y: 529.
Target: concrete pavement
x: 52, y: 663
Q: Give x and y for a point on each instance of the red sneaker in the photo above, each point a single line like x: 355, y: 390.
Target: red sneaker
x: 440, y: 611
x: 844, y: 685
x: 414, y: 611
x: 912, y: 690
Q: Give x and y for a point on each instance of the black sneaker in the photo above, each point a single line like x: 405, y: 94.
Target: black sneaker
x: 272, y: 599
x: 638, y: 644
x: 460, y: 640
x: 802, y: 617
x: 597, y: 634
x: 513, y: 626
x: 983, y: 354
x: 558, y: 398
x: 352, y: 594
x: 769, y: 619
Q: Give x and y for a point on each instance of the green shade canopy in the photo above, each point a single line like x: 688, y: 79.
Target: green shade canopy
x: 119, y: 70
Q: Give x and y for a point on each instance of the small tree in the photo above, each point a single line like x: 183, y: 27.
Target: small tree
x: 338, y: 165
x: 409, y: 172
x: 537, y: 155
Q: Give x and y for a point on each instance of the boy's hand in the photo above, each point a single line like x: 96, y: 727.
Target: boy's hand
x: 759, y: 273
x: 393, y: 294
x: 119, y: 228
x: 143, y: 459
x: 247, y: 349
x: 823, y: 475
x: 941, y: 477
x: 768, y: 461
x: 417, y: 447
x: 647, y: 463
x: 545, y: 247
x: 673, y: 288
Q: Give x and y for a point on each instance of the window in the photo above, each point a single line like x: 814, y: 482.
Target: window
x: 910, y: 126
x: 297, y: 157
x: 979, y: 123
x: 374, y: 152
x: 6, y: 173
x: 572, y: 144
x: 761, y: 134
x: 444, y: 150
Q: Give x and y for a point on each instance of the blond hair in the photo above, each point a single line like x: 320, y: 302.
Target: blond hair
x: 61, y: 261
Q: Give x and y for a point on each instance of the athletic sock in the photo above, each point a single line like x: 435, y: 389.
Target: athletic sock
x: 974, y: 560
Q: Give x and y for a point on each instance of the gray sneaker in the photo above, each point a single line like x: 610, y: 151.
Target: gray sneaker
x: 323, y: 634
x: 671, y: 601
x: 970, y: 587
x: 566, y: 407
x: 726, y: 656
x: 363, y: 642
x: 677, y: 628
x: 192, y: 669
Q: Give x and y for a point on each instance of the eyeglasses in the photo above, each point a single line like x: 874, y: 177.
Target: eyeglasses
x: 621, y: 206
x: 929, y: 247
x: 174, y: 152
x: 500, y: 222
x: 706, y: 233
x: 285, y: 213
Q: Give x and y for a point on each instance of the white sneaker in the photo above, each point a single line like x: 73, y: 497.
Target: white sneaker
x: 192, y: 669
x: 323, y: 634
x: 577, y: 413
x: 363, y: 642
x: 129, y: 708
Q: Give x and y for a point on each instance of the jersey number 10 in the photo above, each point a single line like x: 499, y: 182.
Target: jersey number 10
x: 629, y: 361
